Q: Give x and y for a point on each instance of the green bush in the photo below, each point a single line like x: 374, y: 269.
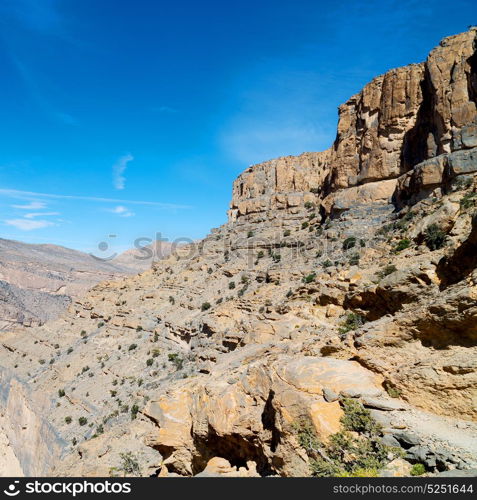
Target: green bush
x: 276, y: 257
x: 327, y: 263
x: 61, y: 393
x: 68, y: 420
x: 260, y: 255
x: 231, y: 285
x: 134, y: 411
x: 387, y: 270
x: 347, y: 454
x: 309, y: 205
x: 354, y: 259
x: 250, y: 234
x: 418, y: 470
x: 205, y: 306
x: 357, y: 418
x: 304, y: 225
x: 352, y: 322
x: 129, y: 464
x: 177, y: 361
x: 310, y: 278
x: 307, y: 437
x: 132, y: 347
x: 82, y: 421
x: 349, y: 243
x: 434, y: 237
x: 286, y: 233
x: 402, y: 245
x: 149, y: 362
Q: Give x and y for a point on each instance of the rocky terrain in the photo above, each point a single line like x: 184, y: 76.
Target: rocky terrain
x: 38, y: 282
x: 329, y: 328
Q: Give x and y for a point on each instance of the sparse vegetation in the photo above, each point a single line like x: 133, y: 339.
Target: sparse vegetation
x: 134, y: 411
x: 352, y: 322
x: 349, y: 243
x: 386, y: 271
x: 310, y: 278
x: 176, y: 360
x: 354, y: 452
x: 402, y: 245
x: 462, y: 183
x: 435, y: 237
x: 418, y: 470
x: 354, y: 259
x: 129, y: 464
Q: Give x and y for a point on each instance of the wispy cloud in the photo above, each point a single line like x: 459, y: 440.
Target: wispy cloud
x: 119, y: 180
x: 28, y: 224
x: 165, y: 109
x: 40, y: 214
x: 121, y: 210
x: 18, y: 194
x: 34, y: 205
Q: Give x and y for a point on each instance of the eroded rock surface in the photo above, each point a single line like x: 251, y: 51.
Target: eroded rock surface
x: 343, y: 275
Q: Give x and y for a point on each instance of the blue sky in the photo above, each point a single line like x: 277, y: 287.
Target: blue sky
x: 133, y: 118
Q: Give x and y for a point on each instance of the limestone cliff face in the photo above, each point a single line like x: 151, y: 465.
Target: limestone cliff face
x: 281, y: 184
x: 397, y: 121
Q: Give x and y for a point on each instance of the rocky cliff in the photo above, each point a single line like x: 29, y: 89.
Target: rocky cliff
x: 397, y: 121
x: 329, y: 328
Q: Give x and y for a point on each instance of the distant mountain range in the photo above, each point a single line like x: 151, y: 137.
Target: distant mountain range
x: 38, y: 282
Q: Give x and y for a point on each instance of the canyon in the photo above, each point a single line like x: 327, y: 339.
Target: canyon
x: 335, y: 310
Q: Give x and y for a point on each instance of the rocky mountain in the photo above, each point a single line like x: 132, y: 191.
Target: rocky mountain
x: 38, y: 282
x: 329, y: 328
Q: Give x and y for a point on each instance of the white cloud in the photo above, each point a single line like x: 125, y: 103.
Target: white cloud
x: 40, y: 214
x: 16, y: 193
x: 121, y: 211
x: 34, y: 205
x: 119, y: 168
x: 28, y: 224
